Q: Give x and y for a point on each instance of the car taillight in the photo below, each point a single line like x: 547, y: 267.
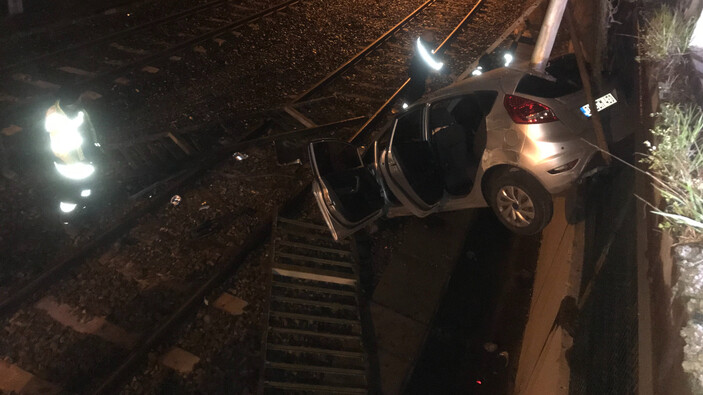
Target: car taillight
x: 527, y: 111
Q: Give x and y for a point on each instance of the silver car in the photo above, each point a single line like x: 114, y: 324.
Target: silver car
x: 506, y: 139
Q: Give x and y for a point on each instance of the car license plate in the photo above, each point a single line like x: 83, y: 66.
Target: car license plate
x: 601, y: 103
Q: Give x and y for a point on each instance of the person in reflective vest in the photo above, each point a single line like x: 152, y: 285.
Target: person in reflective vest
x: 419, y: 68
x: 72, y: 141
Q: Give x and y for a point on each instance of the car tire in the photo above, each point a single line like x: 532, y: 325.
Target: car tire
x: 520, y: 202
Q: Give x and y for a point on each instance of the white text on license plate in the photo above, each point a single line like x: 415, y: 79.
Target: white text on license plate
x: 601, y: 103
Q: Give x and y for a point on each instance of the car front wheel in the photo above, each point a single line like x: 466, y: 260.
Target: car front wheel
x: 520, y: 202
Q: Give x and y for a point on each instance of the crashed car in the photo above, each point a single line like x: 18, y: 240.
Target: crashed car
x: 508, y: 139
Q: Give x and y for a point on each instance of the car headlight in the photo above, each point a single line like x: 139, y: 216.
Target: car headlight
x: 75, y: 171
x: 63, y: 131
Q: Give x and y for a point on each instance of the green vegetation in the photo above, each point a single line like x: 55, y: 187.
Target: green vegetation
x: 675, y: 157
x: 676, y: 165
x: 666, y: 37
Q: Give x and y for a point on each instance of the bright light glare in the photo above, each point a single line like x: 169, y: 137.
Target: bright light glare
x: 85, y: 193
x: 425, y: 55
x: 67, y: 207
x: 405, y: 105
x: 75, y: 171
x: 63, y: 132
x: 508, y: 59
x: 476, y: 72
x: 697, y: 37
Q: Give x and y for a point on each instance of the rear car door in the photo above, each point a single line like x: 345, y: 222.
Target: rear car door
x: 410, y: 167
x: 347, y: 192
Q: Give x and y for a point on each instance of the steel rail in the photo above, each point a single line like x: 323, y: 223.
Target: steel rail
x: 235, y: 256
x: 360, y: 136
x: 54, y: 272
x: 50, y: 275
x: 349, y: 63
x: 452, y: 35
x: 178, y: 47
x: 161, y: 54
x: 115, y: 35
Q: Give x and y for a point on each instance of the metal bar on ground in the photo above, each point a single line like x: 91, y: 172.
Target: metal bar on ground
x: 307, y: 122
x: 296, y: 133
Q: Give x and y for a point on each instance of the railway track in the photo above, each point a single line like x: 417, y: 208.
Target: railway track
x: 299, y: 302
x: 369, y: 81
x: 29, y: 86
x: 337, y: 93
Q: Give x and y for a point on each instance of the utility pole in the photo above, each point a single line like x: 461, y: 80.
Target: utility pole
x: 586, y: 81
x: 547, y: 35
x: 543, y: 49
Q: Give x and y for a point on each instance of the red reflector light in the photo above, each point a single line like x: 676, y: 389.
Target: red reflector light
x: 527, y: 111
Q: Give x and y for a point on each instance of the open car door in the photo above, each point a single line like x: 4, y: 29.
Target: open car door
x: 409, y: 165
x: 346, y: 191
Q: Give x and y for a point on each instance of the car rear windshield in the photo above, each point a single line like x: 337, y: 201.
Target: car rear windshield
x: 564, y: 69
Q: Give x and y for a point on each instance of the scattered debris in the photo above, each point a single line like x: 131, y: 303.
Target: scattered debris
x: 150, y: 69
x: 122, y: 81
x: 10, y: 130
x: 176, y: 200
x: 289, y: 152
x: 239, y: 156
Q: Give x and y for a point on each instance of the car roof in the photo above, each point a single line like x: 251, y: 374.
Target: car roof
x: 503, y: 79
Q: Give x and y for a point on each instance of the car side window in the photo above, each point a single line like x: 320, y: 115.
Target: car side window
x: 409, y: 128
